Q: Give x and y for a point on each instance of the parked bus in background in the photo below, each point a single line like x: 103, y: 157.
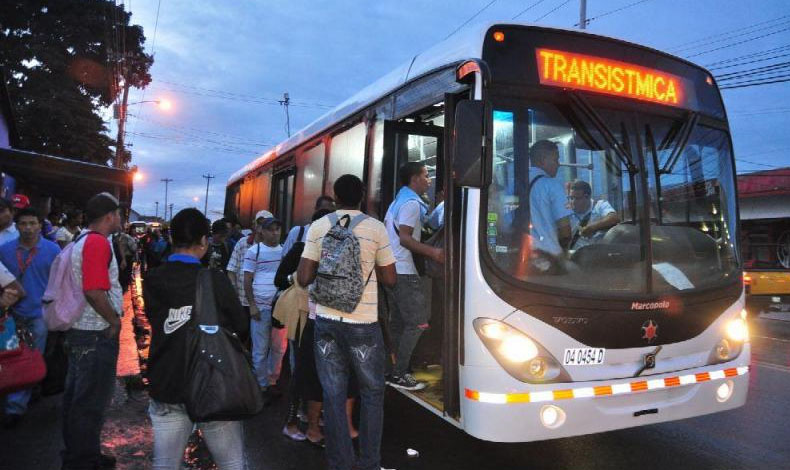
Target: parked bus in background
x: 765, y: 234
x: 646, y: 323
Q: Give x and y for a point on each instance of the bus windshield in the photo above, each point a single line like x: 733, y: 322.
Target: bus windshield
x: 638, y: 204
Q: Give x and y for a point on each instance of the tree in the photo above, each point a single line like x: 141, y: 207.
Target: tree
x: 64, y: 61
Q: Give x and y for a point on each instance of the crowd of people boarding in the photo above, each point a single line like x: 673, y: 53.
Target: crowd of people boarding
x: 226, y: 308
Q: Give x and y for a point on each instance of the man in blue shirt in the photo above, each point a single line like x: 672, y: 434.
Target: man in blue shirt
x: 549, y: 214
x: 29, y: 258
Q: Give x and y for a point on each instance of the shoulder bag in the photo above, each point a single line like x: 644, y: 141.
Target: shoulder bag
x: 220, y: 385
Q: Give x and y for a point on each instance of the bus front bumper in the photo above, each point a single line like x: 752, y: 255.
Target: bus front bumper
x: 571, y: 409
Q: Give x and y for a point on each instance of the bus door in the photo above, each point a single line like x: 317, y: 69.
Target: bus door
x: 421, y: 139
x: 283, y: 184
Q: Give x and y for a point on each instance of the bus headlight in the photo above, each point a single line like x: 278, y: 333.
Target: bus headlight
x: 738, y: 330
x: 521, y: 356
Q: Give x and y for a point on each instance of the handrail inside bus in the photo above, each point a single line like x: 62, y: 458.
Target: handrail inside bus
x: 685, y: 134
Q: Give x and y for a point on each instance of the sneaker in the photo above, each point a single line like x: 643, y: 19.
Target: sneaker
x: 406, y: 382
x: 296, y: 435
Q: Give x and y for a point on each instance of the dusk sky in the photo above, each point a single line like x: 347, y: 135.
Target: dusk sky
x: 224, y: 65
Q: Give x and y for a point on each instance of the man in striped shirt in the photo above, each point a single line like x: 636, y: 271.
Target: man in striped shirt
x: 351, y: 343
x: 260, y: 266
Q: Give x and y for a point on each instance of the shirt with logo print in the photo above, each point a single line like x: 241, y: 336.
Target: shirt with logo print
x: 169, y: 294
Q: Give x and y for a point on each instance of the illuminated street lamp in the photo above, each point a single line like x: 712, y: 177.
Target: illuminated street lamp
x: 119, y: 113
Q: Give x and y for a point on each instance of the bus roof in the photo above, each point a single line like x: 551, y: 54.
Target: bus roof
x: 465, y: 44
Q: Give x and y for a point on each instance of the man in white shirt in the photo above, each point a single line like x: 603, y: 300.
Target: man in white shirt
x: 410, y: 315
x: 260, y: 266
x: 549, y: 214
x: 590, y: 220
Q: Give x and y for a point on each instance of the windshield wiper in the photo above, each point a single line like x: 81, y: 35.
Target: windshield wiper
x: 684, y: 135
x: 589, y: 112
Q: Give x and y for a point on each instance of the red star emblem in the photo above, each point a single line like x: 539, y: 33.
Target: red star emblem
x: 651, y: 331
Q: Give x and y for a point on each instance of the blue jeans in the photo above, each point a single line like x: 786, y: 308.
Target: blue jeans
x: 172, y: 428
x: 340, y: 349
x: 89, y: 386
x: 408, y: 319
x: 16, y: 403
x: 268, y: 348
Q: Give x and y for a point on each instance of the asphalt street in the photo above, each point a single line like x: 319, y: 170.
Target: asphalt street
x: 751, y: 437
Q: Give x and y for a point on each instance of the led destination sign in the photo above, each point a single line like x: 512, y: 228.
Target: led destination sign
x: 584, y: 72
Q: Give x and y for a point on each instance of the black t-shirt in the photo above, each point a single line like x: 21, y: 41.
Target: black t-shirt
x: 217, y: 256
x: 167, y: 290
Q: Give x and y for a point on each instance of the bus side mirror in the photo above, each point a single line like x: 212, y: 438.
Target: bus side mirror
x: 469, y: 167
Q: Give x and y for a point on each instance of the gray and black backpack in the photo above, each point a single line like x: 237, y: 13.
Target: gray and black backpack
x: 338, y: 283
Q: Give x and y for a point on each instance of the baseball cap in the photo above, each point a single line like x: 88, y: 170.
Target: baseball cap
x: 100, y: 205
x: 264, y: 215
x: 20, y: 201
x: 269, y: 221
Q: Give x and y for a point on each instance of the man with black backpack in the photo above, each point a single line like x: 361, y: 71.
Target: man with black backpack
x: 345, y: 257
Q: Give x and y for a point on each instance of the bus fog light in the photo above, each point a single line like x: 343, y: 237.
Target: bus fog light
x: 724, y: 391
x: 723, y: 350
x: 552, y: 416
x: 518, y: 348
x: 737, y: 330
x: 537, y: 367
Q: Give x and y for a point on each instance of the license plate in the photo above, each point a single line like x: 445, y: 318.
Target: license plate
x: 583, y: 356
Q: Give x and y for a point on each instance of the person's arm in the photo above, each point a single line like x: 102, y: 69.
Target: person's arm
x: 100, y: 302
x: 96, y: 256
x: 608, y: 221
x: 231, y: 307
x: 305, y: 273
x: 236, y: 260
x: 254, y: 312
x: 564, y: 232
x: 410, y: 213
x: 9, y: 297
x: 386, y: 275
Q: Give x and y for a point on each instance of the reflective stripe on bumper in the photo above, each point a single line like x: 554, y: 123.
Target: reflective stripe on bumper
x: 604, y: 390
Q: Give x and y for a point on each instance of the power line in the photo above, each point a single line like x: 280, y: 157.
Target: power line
x: 553, y: 10
x: 200, y: 132
x: 730, y: 37
x: 752, y: 83
x: 750, y: 55
x: 726, y: 33
x: 471, y: 18
x: 611, y: 12
x: 208, y: 177
x: 528, y: 9
x: 753, y: 71
x: 153, y: 53
x: 738, y: 64
x: 242, y: 95
x: 738, y: 43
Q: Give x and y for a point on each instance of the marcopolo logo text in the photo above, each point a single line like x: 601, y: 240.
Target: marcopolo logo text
x: 662, y: 304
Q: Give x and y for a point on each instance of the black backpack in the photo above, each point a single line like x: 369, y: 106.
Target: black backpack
x: 220, y: 385
x: 289, y: 262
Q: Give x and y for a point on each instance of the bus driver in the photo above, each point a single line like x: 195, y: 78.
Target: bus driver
x: 589, y: 221
x: 549, y: 215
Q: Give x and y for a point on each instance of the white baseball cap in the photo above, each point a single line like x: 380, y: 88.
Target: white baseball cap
x: 264, y: 215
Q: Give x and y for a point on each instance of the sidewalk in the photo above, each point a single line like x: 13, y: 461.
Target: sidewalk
x: 35, y: 444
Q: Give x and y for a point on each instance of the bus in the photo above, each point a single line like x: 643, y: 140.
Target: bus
x: 764, y: 198
x: 647, y: 325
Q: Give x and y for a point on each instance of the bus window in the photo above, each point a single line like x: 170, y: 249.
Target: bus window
x: 518, y: 237
x: 346, y: 154
x: 283, y: 198
x: 309, y: 182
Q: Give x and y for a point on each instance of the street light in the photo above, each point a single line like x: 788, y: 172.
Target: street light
x: 119, y: 113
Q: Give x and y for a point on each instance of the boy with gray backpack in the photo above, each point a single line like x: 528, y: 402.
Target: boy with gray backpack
x: 346, y: 255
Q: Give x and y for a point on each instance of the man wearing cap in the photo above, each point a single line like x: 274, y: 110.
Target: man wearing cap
x: 236, y: 263
x: 260, y: 265
x: 92, y: 342
x: 8, y: 230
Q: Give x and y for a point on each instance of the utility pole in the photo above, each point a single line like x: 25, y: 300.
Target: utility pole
x: 285, y: 102
x: 167, y: 182
x: 171, y: 211
x: 582, y: 14
x: 121, y: 113
x: 157, y: 209
x: 208, y: 177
